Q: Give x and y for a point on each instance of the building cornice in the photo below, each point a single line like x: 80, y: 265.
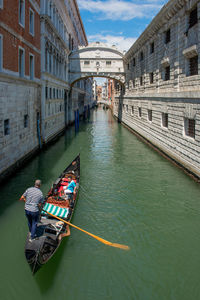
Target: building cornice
x: 166, y: 13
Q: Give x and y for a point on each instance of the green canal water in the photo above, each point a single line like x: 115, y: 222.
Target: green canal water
x: 129, y: 195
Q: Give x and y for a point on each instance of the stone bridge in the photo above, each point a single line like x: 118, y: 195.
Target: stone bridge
x: 96, y: 60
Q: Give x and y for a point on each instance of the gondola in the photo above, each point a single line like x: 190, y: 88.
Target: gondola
x: 50, y: 231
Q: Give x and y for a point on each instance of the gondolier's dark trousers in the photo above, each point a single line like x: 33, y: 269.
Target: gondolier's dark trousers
x: 32, y: 221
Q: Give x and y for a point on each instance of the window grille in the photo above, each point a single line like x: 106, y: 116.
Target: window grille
x: 190, y: 127
x: 193, y: 17
x: 141, y: 56
x: 132, y: 110
x: 165, y: 120
x: 134, y: 62
x: 152, y: 48
x: 25, y: 121
x: 134, y: 83
x: 151, y: 77
x: 108, y: 62
x: 141, y: 80
x: 150, y: 115
x: 193, y: 64
x: 6, y: 127
x: 140, y: 112
x: 86, y: 62
x: 167, y: 36
x: 167, y: 73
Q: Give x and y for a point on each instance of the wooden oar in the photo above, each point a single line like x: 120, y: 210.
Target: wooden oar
x: 124, y: 247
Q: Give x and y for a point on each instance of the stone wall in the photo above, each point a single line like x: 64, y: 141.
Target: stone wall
x: 18, y: 98
x: 162, y: 97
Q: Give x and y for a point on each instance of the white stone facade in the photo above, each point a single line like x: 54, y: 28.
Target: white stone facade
x: 162, y: 98
x: 61, y: 32
x: 97, y: 60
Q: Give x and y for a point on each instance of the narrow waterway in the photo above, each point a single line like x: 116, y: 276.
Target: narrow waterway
x: 130, y: 195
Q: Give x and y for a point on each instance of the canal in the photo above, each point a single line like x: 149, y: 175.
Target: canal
x: 129, y: 194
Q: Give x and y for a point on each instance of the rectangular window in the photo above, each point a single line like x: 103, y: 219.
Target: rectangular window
x: 167, y: 73
x: 149, y: 115
x: 25, y: 121
x: 1, y: 52
x: 189, y: 127
x: 31, y: 66
x: 21, y: 62
x: 54, y: 93
x: 46, y: 92
x: 6, y: 127
x: 126, y: 108
x: 134, y: 62
x: 152, y: 48
x: 86, y: 62
x: 151, y: 77
x: 108, y: 63
x: 50, y: 93
x: 141, y: 56
x: 132, y: 110
x: 1, y: 4
x: 193, y: 18
x: 139, y: 112
x: 133, y: 83
x: 127, y: 66
x: 167, y: 36
x: 22, y: 12
x: 165, y: 120
x: 141, y: 80
x: 31, y: 21
x: 193, y: 65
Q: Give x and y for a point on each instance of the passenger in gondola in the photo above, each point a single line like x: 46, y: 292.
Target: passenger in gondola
x: 70, y: 190
x: 33, y: 198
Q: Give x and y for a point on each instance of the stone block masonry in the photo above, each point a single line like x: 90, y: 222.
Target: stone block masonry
x: 162, y: 96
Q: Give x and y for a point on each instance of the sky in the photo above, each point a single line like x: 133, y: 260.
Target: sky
x: 117, y: 22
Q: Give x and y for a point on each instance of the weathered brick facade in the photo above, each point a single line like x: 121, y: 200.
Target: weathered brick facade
x: 20, y: 89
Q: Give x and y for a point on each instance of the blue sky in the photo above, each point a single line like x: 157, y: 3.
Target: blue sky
x: 118, y: 22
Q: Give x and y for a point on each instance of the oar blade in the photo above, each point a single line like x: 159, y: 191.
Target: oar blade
x: 120, y: 246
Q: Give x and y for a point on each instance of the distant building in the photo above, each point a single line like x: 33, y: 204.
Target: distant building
x: 20, y: 89
x: 99, y: 93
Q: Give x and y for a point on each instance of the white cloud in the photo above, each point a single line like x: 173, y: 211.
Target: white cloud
x: 120, y: 10
x: 121, y: 42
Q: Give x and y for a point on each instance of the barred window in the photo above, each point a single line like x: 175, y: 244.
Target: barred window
x: 150, y: 115
x: 151, y: 77
x: 46, y: 92
x: 141, y: 55
x: 167, y: 73
x: 139, y: 112
x: 189, y: 127
x: 141, y: 80
x: 152, y: 48
x: 134, y: 62
x: 167, y: 36
x: 126, y: 108
x: 25, y: 121
x: 193, y: 65
x: 193, y: 17
x: 108, y: 63
x: 165, y: 120
x: 132, y: 110
x: 6, y: 127
x: 134, y: 83
x: 86, y: 62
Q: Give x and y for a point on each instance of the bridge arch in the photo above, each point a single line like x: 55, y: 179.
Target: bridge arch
x: 96, y: 60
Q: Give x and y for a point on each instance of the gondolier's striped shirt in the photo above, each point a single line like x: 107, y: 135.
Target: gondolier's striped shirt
x: 33, y: 197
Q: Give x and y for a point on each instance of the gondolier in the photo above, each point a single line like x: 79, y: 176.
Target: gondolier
x: 33, y: 197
